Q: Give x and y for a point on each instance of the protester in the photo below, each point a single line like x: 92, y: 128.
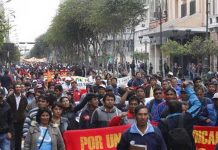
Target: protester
x: 86, y: 114
x: 153, y: 104
x: 149, y: 89
x: 210, y: 113
x: 102, y: 115
x: 6, y: 123
x: 18, y: 104
x: 68, y: 112
x: 138, y: 80
x: 43, y: 135
x: 42, y: 103
x: 59, y: 92
x: 177, y: 139
x: 133, y: 103
x: 162, y: 108
x: 201, y: 120
x: 211, y: 87
x: 142, y: 133
x: 57, y: 120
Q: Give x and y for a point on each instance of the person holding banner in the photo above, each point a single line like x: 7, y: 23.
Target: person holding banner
x: 142, y: 135
x: 85, y: 117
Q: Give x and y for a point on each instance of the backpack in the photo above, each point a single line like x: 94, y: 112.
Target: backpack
x: 178, y: 138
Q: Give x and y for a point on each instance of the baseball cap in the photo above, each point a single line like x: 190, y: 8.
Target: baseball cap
x: 109, y: 88
x: 170, y: 73
x: 101, y: 86
x: 68, y: 79
x: 215, y: 96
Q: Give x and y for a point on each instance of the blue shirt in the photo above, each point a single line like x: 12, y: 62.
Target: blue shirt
x: 47, y: 143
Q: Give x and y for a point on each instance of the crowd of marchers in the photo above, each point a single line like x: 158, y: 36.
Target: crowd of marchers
x: 161, y: 111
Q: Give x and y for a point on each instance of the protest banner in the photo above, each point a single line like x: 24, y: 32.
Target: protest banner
x: 108, y: 138
x: 94, y: 139
x: 205, y: 137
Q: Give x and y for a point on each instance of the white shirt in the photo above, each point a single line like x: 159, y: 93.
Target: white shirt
x: 17, y: 98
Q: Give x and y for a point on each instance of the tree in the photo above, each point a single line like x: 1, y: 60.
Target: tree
x: 81, y: 27
x: 142, y: 56
x: 173, y: 48
x: 41, y: 48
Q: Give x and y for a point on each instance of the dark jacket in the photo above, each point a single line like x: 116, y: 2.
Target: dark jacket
x: 152, y: 138
x: 6, y: 124
x: 173, y: 122
x: 70, y: 115
x: 6, y: 81
x: 17, y: 115
x: 85, y: 118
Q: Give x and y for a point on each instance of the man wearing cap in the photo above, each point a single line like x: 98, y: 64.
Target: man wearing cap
x: 211, y: 112
x: 6, y: 123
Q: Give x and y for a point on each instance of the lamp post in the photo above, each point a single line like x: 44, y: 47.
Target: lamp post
x: 206, y: 58
x: 161, y: 41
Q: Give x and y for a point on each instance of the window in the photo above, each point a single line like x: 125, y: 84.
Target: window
x: 192, y: 7
x: 216, y: 19
x: 183, y: 10
x: 211, y: 20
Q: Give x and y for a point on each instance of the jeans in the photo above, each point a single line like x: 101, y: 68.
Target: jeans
x: 5, y: 143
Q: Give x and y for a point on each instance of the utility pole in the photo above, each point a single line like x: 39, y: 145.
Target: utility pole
x: 206, y: 58
x: 161, y: 36
x: 207, y: 36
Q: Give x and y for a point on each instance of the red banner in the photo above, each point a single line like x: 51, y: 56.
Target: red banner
x: 94, y: 139
x: 108, y: 138
x: 205, y: 137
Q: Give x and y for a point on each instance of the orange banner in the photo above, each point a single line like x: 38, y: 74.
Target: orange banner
x: 108, y: 138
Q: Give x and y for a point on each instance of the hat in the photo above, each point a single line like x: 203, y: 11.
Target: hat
x: 31, y: 91
x: 215, y: 95
x: 109, y: 88
x: 2, y: 92
x: 170, y: 73
x: 68, y: 79
x: 34, y: 81
x: 101, y: 86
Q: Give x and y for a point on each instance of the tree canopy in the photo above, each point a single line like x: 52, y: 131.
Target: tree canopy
x: 81, y: 26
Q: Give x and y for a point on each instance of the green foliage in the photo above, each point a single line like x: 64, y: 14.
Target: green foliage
x: 41, y: 48
x: 141, y: 56
x: 199, y: 47
x: 4, y: 27
x: 195, y: 46
x: 173, y: 48
x: 9, y: 49
x: 82, y: 25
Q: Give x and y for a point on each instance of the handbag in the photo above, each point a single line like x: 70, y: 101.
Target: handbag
x: 43, y: 138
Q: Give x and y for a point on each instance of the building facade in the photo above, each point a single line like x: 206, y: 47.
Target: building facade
x: 213, y: 28
x: 177, y: 20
